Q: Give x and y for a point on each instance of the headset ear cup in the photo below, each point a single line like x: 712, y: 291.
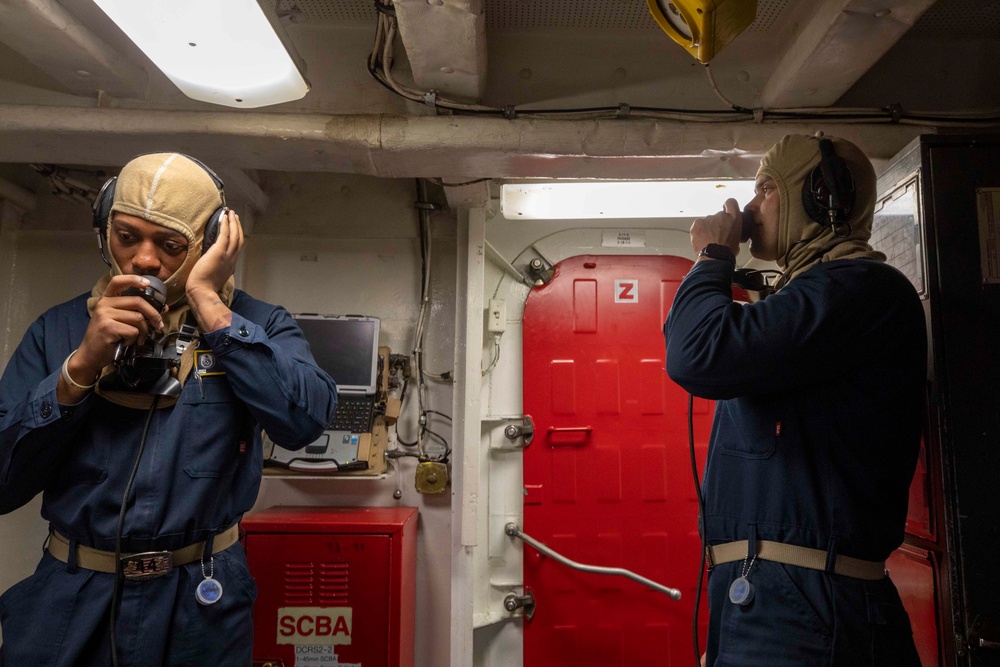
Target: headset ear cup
x: 102, y: 206
x: 212, y: 229
x: 102, y: 209
x: 815, y: 209
x: 829, y: 188
x: 844, y: 186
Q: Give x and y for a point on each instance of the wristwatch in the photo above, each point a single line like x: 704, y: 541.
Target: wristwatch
x: 718, y: 251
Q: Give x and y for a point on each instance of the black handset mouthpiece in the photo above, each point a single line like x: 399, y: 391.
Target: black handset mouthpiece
x: 155, y: 293
x: 746, y: 226
x: 160, y: 288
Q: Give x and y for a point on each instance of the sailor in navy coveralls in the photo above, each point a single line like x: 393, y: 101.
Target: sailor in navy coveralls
x: 820, y: 402
x: 75, y: 440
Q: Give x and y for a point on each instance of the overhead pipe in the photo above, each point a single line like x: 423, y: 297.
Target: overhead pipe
x: 415, y: 146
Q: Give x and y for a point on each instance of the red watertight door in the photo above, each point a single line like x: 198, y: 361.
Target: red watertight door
x: 608, y: 477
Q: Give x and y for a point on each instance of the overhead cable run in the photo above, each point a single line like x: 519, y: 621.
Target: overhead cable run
x: 380, y: 63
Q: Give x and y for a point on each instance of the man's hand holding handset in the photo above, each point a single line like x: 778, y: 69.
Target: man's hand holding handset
x: 725, y: 228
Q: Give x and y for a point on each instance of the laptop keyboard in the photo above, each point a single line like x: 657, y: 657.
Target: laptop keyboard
x: 354, y: 414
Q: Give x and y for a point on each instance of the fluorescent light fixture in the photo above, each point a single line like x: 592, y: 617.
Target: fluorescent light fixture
x: 220, y: 51
x: 620, y: 199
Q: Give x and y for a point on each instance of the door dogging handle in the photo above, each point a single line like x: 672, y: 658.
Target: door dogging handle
x: 986, y: 643
x: 513, y: 602
x: 514, y: 530
x: 525, y: 430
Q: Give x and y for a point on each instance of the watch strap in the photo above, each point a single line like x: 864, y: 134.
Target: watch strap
x: 718, y: 251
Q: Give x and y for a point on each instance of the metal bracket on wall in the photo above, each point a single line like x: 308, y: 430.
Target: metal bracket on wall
x: 525, y: 430
x: 539, y: 271
x: 508, y: 268
x: 513, y: 530
x: 512, y: 602
x: 523, y: 426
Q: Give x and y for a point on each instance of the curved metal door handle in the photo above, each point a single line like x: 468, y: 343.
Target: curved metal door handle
x: 513, y: 530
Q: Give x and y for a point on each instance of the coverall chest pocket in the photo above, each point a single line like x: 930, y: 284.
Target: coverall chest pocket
x: 755, y: 426
x: 87, y: 460
x: 212, y: 427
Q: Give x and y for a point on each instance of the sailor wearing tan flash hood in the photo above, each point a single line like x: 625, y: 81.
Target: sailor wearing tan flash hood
x: 820, y: 401
x: 131, y: 471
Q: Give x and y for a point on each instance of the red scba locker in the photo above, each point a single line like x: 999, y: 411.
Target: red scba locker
x: 336, y: 585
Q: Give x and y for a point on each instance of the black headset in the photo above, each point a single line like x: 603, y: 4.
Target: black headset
x: 828, y: 192
x: 106, y: 198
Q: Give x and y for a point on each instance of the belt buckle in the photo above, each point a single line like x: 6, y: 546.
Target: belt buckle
x: 147, y: 565
x: 709, y: 560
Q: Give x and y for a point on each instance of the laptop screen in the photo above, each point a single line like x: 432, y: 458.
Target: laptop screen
x: 344, y: 346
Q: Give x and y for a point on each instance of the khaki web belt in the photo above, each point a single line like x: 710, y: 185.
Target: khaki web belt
x: 140, y: 566
x: 790, y: 554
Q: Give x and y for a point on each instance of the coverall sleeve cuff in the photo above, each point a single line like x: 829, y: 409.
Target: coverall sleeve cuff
x: 240, y: 333
x: 714, y: 267
x: 45, y: 407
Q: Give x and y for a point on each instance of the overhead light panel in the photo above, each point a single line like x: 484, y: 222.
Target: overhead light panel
x: 223, y: 52
x: 703, y: 27
x: 620, y: 199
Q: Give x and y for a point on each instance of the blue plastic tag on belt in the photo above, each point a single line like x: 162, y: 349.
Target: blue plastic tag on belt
x: 209, y: 591
x: 741, y: 592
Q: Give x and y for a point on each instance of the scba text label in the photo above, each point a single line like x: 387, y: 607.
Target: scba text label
x: 314, y: 626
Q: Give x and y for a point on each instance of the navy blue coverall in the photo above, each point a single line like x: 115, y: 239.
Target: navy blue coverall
x: 820, y: 393
x: 199, y: 473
